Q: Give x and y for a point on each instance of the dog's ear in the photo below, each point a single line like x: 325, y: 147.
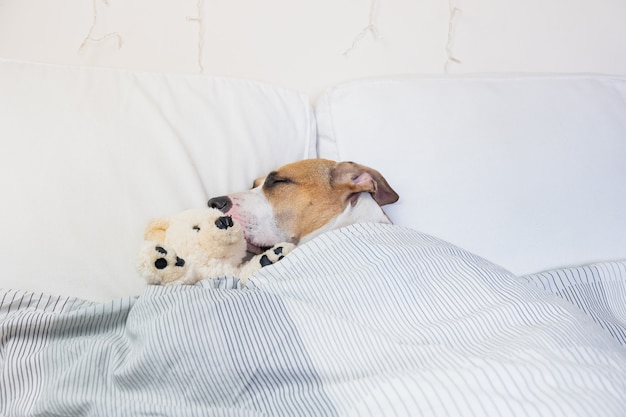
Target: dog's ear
x: 156, y: 230
x: 359, y: 178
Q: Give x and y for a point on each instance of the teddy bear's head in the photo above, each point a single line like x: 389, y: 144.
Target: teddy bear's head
x: 198, y: 244
x: 200, y: 236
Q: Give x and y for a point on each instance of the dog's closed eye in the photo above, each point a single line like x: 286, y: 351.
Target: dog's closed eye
x: 273, y: 179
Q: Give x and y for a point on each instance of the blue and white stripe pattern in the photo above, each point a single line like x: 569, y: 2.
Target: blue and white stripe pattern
x: 598, y: 289
x: 368, y: 320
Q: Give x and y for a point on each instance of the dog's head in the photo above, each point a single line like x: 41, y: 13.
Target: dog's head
x: 302, y: 199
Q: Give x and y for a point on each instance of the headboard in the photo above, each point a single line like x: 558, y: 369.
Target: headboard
x: 310, y: 46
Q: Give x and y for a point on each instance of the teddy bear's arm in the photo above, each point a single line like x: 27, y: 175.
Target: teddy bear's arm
x: 269, y: 257
x: 160, y: 265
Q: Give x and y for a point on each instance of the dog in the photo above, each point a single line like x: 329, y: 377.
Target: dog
x: 304, y: 199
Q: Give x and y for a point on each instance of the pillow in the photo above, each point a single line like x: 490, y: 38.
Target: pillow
x: 526, y: 171
x: 89, y: 156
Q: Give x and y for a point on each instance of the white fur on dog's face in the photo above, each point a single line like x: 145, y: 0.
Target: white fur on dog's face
x: 305, y: 198
x: 255, y: 214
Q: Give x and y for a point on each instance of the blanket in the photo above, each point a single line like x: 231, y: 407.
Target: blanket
x: 367, y: 320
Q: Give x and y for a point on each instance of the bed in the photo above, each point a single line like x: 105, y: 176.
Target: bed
x: 499, y: 290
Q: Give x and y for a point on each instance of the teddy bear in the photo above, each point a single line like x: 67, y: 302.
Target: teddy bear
x: 200, y: 243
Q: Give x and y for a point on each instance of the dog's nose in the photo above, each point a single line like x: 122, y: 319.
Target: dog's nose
x: 221, y: 203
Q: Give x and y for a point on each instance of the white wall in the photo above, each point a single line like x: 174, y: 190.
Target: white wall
x: 301, y: 44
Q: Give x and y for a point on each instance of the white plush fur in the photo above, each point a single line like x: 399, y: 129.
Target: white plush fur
x: 190, y: 246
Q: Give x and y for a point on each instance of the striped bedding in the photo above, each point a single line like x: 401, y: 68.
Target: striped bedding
x: 367, y: 320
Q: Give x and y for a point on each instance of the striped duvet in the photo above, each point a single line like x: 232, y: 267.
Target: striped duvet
x: 368, y: 320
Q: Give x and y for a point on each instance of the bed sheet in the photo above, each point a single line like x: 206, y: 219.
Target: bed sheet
x: 598, y: 289
x: 365, y: 320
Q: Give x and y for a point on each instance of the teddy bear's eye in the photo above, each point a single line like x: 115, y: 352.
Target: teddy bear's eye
x: 196, y: 228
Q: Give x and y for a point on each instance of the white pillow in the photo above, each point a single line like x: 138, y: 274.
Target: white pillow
x: 88, y: 156
x: 527, y: 171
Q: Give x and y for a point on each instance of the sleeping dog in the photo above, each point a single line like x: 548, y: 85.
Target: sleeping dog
x: 303, y: 199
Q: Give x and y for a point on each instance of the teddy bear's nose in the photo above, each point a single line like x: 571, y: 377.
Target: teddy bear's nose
x: 224, y: 222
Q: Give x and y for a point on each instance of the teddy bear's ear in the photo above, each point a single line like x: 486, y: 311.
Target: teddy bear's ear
x: 156, y: 230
